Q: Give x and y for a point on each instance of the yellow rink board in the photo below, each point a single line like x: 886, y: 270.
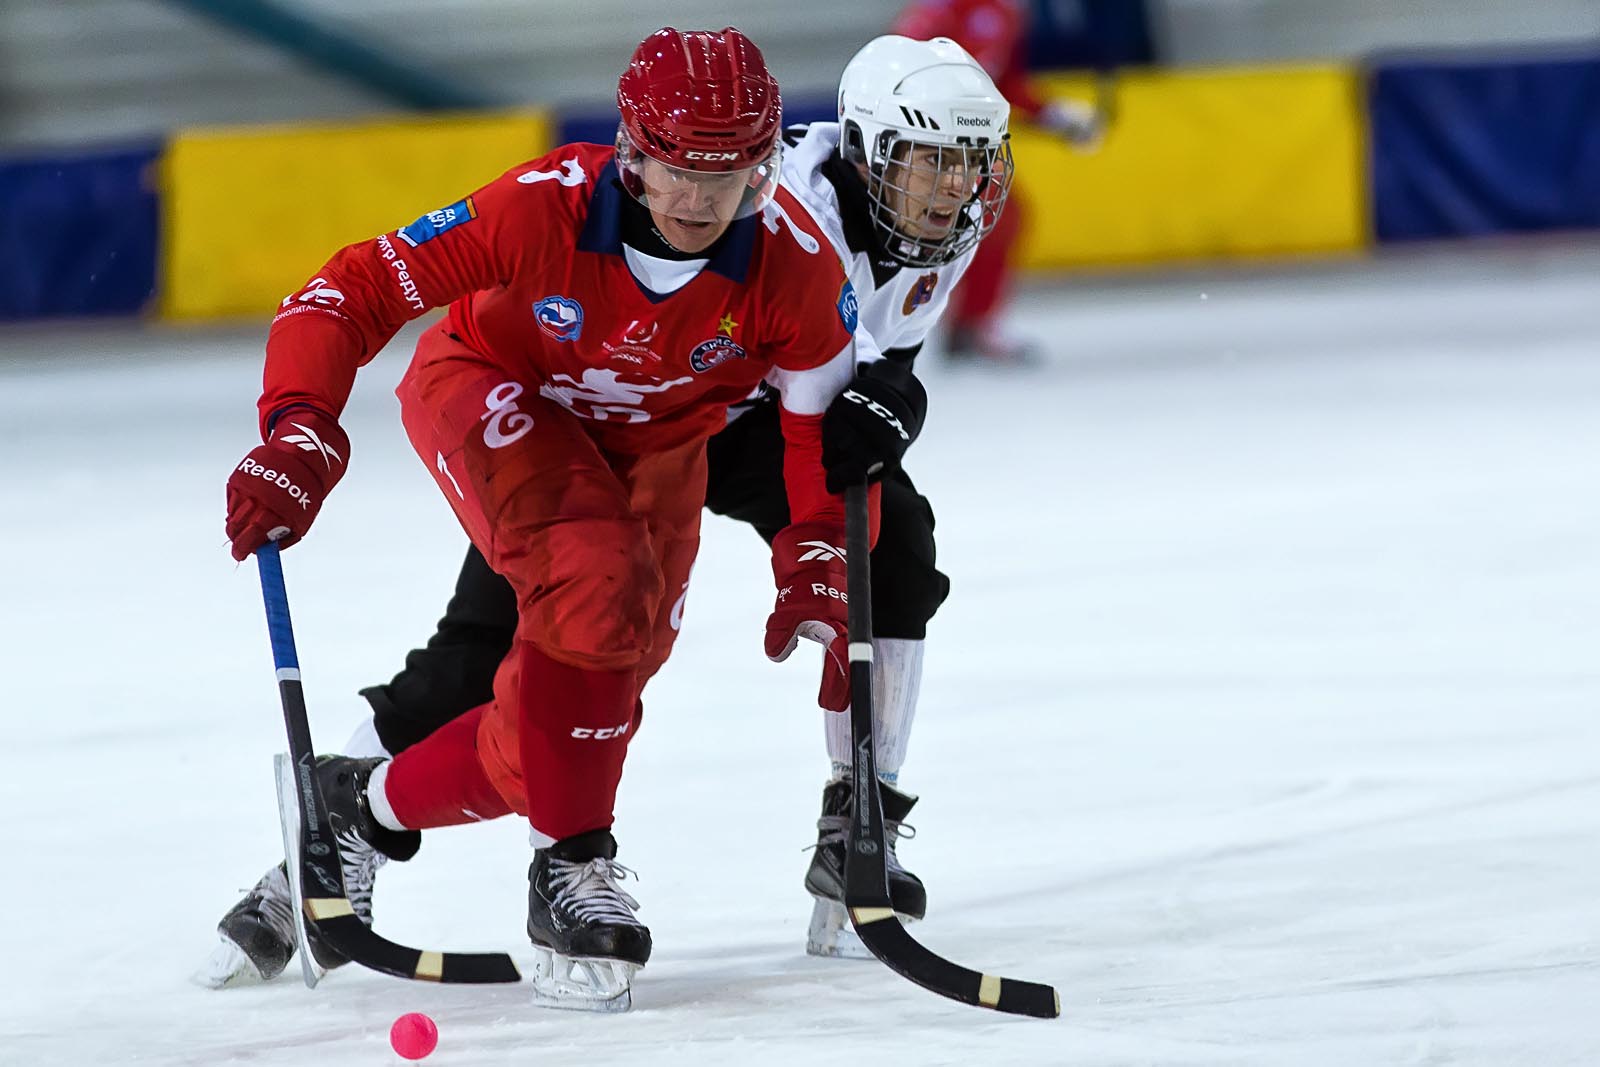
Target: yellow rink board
x: 251, y: 213
x: 1201, y: 164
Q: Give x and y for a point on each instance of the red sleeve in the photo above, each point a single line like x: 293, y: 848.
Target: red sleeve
x: 1015, y: 86
x: 922, y: 21
x: 340, y: 319
x: 809, y: 499
x: 812, y: 313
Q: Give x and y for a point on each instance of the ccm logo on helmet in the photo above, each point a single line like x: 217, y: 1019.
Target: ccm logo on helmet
x: 712, y: 157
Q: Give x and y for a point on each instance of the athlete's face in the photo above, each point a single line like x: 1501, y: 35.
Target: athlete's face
x: 692, y: 209
x: 926, y: 186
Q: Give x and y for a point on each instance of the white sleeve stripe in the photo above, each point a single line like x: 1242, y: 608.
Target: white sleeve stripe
x: 809, y: 392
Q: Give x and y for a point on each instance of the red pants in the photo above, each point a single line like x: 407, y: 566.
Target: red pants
x: 983, y: 289
x: 598, y: 547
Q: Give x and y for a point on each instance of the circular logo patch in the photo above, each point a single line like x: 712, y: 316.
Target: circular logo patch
x: 708, y: 354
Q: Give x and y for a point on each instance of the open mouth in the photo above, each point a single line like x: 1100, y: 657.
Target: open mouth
x: 692, y: 224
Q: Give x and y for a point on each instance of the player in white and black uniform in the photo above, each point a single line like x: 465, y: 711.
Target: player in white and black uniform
x: 905, y: 185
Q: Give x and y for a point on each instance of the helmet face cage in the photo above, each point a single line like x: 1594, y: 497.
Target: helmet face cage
x: 908, y: 179
x: 699, y: 195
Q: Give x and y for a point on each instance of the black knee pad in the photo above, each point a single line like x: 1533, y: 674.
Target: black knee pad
x: 907, y: 586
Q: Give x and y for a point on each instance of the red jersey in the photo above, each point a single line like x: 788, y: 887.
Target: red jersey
x: 536, y: 276
x: 995, y: 32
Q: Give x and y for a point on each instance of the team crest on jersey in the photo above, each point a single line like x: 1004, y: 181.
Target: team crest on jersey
x: 560, y: 316
x: 920, y: 293
x: 718, y: 350
x: 635, y: 347
x: 434, y: 223
x: 849, y: 306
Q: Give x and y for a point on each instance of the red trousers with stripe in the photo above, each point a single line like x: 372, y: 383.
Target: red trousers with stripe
x: 987, y: 283
x: 598, y: 547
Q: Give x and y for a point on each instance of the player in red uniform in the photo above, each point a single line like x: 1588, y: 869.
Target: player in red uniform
x: 605, y: 307
x: 995, y: 32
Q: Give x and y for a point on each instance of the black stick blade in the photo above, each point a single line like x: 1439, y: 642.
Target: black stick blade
x: 909, y: 958
x: 353, y: 938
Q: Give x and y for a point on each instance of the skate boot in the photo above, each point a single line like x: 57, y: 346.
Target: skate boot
x: 364, y: 843
x: 587, y: 943
x: 255, y: 939
x: 830, y: 933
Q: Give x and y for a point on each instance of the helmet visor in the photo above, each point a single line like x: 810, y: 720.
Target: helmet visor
x: 697, y: 196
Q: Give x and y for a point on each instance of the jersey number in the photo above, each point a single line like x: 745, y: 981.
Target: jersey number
x: 507, y: 423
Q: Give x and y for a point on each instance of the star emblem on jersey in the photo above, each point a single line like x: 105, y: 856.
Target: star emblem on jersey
x: 920, y: 293
x: 726, y: 326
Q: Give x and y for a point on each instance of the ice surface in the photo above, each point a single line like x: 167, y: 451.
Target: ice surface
x: 1262, y: 719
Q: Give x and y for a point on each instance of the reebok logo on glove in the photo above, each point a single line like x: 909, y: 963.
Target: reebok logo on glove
x: 275, y: 491
x: 820, y: 551
x: 278, y: 478
x: 812, y: 594
x: 308, y: 440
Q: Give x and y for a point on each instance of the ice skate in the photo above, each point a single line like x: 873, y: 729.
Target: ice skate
x: 255, y: 939
x: 830, y: 933
x: 587, y: 943
x: 364, y: 844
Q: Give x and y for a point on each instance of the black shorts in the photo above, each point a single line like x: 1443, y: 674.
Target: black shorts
x: 455, y: 671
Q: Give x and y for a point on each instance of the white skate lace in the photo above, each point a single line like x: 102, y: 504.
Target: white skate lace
x: 360, y: 868
x: 834, y: 830
x: 590, y: 890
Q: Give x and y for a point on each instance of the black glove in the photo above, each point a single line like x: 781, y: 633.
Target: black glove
x: 869, y: 426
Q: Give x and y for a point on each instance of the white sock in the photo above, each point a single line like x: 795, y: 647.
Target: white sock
x: 896, y: 682
x: 378, y: 798
x: 364, y: 742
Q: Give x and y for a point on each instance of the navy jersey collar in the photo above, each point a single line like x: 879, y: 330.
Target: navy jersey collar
x: 602, y: 230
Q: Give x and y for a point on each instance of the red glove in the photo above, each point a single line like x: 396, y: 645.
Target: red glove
x: 808, y: 563
x: 278, y: 488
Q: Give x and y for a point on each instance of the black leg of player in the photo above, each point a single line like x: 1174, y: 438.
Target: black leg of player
x: 866, y: 884
x: 315, y: 875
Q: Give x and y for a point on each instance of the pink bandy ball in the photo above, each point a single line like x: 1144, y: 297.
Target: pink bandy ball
x: 413, y: 1035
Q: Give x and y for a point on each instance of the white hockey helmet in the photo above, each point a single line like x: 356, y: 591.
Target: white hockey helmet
x: 933, y: 133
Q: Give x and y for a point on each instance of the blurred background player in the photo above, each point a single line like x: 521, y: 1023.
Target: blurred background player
x: 905, y: 207
x: 606, y: 306
x: 995, y: 33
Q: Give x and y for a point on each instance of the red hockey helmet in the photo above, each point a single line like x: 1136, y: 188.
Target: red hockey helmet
x: 703, y: 106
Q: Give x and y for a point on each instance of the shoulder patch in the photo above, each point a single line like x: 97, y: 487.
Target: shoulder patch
x: 849, y: 306
x: 434, y: 223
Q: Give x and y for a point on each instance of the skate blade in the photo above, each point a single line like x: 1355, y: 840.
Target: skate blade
x: 227, y: 966
x: 289, y: 817
x: 831, y: 935
x: 581, y: 984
